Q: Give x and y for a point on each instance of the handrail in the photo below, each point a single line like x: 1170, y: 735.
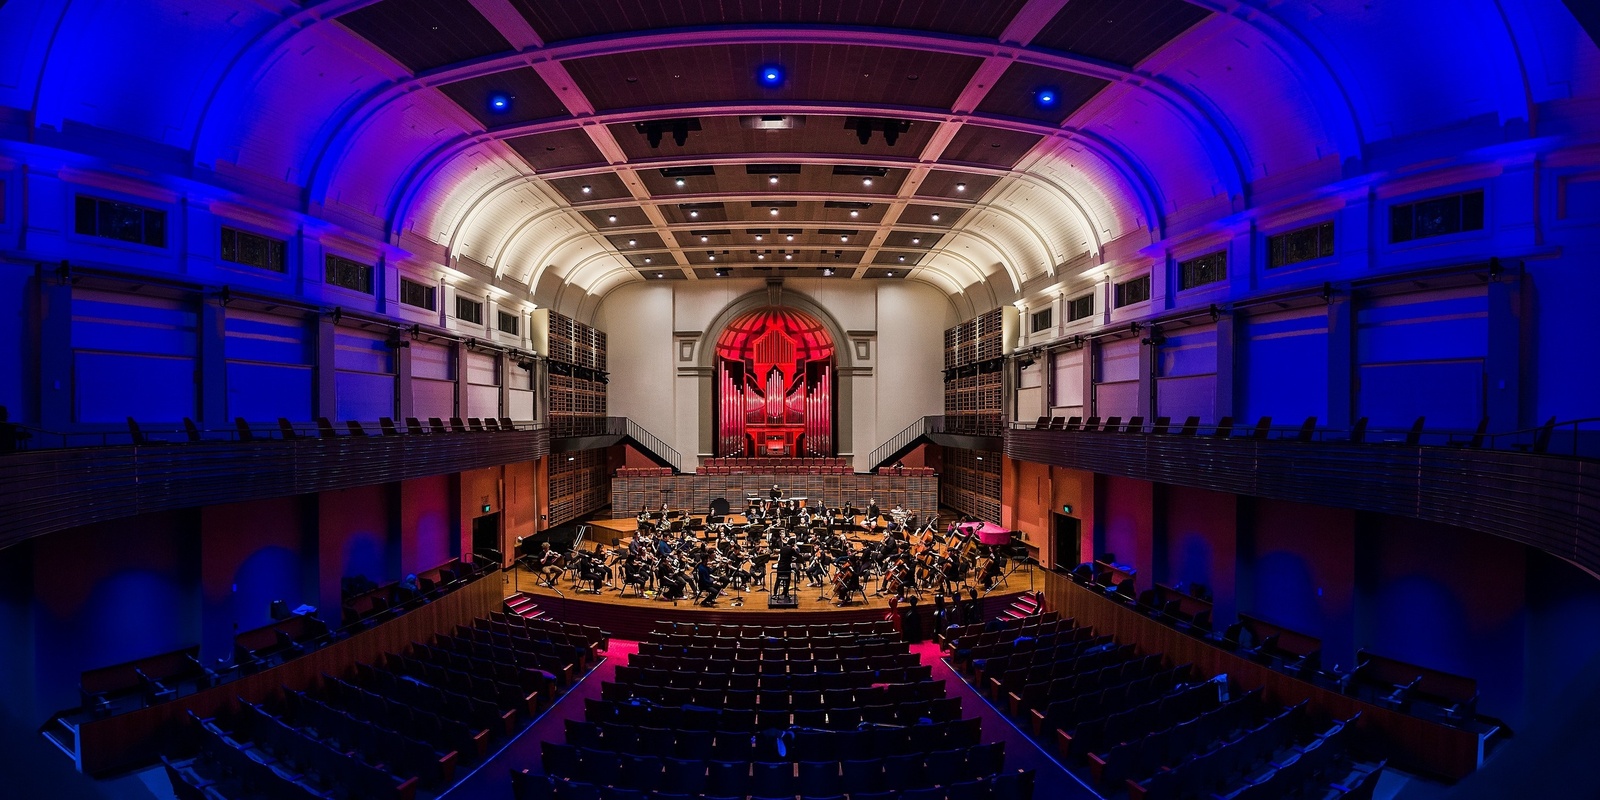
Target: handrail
x: 922, y: 427
x: 16, y: 437
x: 650, y: 442
x: 1578, y: 438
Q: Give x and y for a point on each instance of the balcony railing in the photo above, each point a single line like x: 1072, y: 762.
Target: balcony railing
x: 1517, y: 489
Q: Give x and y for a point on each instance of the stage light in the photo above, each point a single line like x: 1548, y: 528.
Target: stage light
x: 679, y: 183
x: 827, y: 272
x: 499, y: 102
x: 612, y: 218
x: 961, y: 187
x: 771, y: 75
x: 773, y: 211
x: 1046, y: 96
x: 587, y: 189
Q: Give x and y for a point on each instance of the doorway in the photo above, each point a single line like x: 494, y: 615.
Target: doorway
x: 486, y: 537
x: 1064, y: 544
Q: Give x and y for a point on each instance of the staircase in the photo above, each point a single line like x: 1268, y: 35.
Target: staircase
x: 521, y: 604
x: 1026, y: 605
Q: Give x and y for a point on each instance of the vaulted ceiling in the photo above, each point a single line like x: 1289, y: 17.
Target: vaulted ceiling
x: 989, y: 147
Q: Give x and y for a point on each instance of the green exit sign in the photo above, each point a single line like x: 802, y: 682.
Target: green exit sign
x: 1065, y: 509
x: 485, y: 508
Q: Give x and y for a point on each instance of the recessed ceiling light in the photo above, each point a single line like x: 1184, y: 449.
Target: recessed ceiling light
x: 694, y: 214
x: 855, y: 213
x: 844, y: 238
x: 632, y: 242
x: 866, y: 181
x: 788, y: 256
x: 773, y: 211
x: 1046, y: 96
x: 712, y: 256
x: 758, y: 237
x: 771, y: 75
x: 772, y: 179
x: 760, y: 256
x: 828, y: 271
x: 935, y: 217
x: 587, y: 188
x: 499, y: 103
x: 789, y: 238
x: 891, y: 273
x: 902, y: 258
x: 660, y: 275
x: 612, y: 218
x: 961, y: 187
x: 647, y: 259
x: 679, y: 182
x: 916, y: 240
x: 705, y: 238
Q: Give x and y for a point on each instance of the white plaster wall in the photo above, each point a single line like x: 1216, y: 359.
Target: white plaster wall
x: 899, y: 380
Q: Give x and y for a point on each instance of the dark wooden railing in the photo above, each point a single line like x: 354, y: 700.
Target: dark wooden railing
x: 42, y: 491
x: 1544, y: 501
x: 1412, y: 743
x: 115, y: 744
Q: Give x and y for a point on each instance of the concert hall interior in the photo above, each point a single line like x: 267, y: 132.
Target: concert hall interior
x: 818, y: 399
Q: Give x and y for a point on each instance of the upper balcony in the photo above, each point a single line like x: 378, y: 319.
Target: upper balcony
x: 1535, y: 486
x: 52, y: 481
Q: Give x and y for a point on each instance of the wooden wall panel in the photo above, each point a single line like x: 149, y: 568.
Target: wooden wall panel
x: 50, y: 490
x: 918, y: 494
x: 1544, y: 501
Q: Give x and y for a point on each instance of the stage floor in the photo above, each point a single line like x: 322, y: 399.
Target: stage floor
x: 811, y: 598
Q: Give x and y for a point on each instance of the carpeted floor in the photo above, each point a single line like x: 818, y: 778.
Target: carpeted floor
x: 492, y: 779
x: 1051, y: 781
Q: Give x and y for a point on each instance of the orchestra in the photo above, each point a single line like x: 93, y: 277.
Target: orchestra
x: 782, y: 538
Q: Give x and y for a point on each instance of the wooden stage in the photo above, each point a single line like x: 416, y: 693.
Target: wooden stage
x: 633, y: 617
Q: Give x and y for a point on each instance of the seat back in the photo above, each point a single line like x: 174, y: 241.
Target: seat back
x: 387, y: 426
x: 136, y: 433
x: 1135, y: 425
x: 1307, y: 429
x: 244, y: 429
x: 457, y: 426
x: 1191, y: 426
x: 355, y: 428
x: 286, y: 429
x: 1224, y: 428
x: 1113, y: 424
x: 1358, y: 431
x: 1074, y: 423
x: 1414, y: 436
x: 1161, y: 426
x: 325, y: 428
x: 190, y: 430
x: 1263, y: 426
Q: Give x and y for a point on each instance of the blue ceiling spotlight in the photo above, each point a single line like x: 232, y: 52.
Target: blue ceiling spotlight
x: 499, y: 102
x: 771, y: 76
x: 1046, y: 96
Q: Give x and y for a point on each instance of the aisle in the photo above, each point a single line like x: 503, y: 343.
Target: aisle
x: 1051, y: 780
x: 492, y: 778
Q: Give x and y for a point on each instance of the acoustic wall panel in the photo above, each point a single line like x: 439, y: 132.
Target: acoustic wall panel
x: 269, y: 371
x: 1283, y: 365
x: 364, y: 380
x: 133, y: 356
x: 1423, y: 354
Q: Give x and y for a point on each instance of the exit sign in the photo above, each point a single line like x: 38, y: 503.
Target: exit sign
x: 485, y: 508
x: 1065, y: 509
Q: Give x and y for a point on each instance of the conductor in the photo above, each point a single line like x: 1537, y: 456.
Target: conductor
x: 784, y: 582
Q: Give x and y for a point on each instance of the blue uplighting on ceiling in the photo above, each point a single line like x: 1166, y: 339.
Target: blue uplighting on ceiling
x: 770, y: 75
x: 499, y: 102
x: 1046, y: 96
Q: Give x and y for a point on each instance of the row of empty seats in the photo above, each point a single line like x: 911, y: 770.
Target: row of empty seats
x: 775, y: 466
x: 737, y: 711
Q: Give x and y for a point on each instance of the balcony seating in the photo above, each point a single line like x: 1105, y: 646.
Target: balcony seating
x: 151, y: 680
x: 1398, y: 684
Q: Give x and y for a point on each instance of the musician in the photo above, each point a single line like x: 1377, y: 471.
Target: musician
x: 708, y: 583
x: 871, y: 520
x: 992, y: 571
x: 776, y: 493
x: 669, y: 577
x: 816, y: 569
x: 549, y: 565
